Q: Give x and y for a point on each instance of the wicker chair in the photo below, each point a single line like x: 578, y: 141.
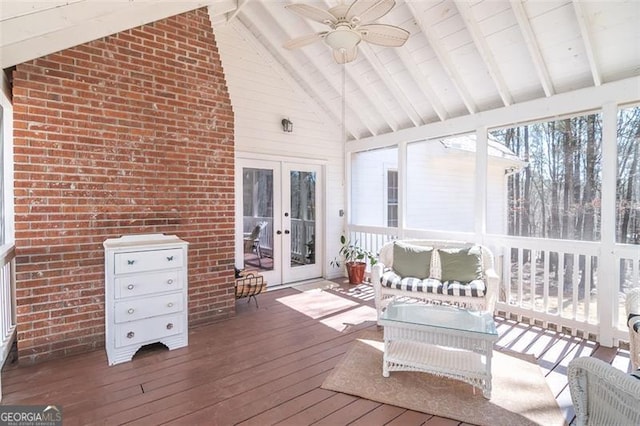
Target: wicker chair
x: 602, y: 394
x: 633, y: 318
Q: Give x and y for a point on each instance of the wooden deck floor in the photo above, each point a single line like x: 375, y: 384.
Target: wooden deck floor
x: 262, y: 367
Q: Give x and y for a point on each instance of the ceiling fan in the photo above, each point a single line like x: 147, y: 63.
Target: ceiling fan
x: 349, y: 25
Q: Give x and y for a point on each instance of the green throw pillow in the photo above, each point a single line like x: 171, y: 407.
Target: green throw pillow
x: 412, y: 261
x: 463, y: 265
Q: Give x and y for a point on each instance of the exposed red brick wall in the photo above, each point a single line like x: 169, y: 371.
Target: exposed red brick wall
x: 132, y: 133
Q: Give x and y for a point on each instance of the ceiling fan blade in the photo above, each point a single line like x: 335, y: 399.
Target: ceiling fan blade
x: 383, y: 35
x: 297, y: 42
x: 344, y: 56
x: 313, y: 13
x: 365, y: 11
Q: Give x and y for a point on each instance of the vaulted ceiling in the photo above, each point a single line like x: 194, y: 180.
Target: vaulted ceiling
x: 462, y: 56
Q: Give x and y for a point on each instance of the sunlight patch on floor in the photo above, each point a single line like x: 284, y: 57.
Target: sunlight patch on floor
x: 321, y: 284
x: 316, y: 303
x: 377, y: 344
x: 344, y: 320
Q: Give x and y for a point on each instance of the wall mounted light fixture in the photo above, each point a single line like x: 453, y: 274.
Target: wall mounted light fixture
x: 287, y: 125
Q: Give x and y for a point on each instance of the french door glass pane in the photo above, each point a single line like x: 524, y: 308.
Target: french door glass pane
x: 257, y: 191
x: 303, y: 217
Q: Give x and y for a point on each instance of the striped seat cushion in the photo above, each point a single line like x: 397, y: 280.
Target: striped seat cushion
x: 475, y: 288
x: 635, y: 374
x: 392, y: 280
x: 633, y: 320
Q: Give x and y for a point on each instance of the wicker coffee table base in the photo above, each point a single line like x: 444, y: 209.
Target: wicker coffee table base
x: 456, y: 354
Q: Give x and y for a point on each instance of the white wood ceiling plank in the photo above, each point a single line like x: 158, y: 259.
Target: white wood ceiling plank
x: 391, y: 85
x: 498, y: 22
x: 122, y: 16
x: 618, y: 60
x: 445, y: 60
x: 51, y: 20
x: 484, y: 10
x: 421, y: 79
x: 484, y: 50
x: 588, y: 45
x: 515, y: 63
x: 356, y: 111
x: 532, y: 46
x: 16, y: 9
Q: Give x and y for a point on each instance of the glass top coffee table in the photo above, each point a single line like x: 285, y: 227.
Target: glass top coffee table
x: 442, y: 340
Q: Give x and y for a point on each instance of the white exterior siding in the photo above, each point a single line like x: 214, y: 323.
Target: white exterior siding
x: 261, y: 96
x: 440, y: 188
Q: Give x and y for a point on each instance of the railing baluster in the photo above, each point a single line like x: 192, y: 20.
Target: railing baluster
x: 520, y: 263
x: 545, y: 274
x: 506, y: 279
x: 587, y: 288
x: 575, y: 286
x: 560, y: 284
x: 7, y: 303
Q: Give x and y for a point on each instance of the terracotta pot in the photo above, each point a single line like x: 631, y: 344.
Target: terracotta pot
x: 355, y: 270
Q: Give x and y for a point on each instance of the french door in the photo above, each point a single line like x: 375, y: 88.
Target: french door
x: 281, y: 228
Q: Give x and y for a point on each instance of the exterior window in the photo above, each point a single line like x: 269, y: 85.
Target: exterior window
x: 392, y: 198
x: 370, y: 186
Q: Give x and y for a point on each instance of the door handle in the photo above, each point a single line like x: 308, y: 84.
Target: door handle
x: 286, y: 231
x: 278, y: 232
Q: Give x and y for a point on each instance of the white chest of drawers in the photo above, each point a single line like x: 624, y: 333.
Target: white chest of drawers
x: 145, y: 294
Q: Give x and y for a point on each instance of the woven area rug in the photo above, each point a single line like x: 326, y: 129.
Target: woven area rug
x: 520, y: 394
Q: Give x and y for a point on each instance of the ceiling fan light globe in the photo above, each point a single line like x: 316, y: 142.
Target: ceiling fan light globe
x: 343, y: 38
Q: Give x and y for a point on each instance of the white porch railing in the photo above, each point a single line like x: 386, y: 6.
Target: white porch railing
x: 7, y: 303
x: 545, y: 281
x: 302, y: 233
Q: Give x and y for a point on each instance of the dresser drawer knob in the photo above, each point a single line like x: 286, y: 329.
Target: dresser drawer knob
x: 130, y: 335
x: 170, y: 281
x: 130, y: 262
x: 169, y: 258
x: 170, y: 304
x: 169, y: 326
x: 130, y: 287
x: 130, y: 311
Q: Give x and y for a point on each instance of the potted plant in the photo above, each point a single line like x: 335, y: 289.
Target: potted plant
x: 354, y: 258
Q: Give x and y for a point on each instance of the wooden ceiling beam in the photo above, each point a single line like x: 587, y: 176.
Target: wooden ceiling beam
x: 421, y: 80
x: 532, y: 46
x: 445, y: 60
x: 372, y: 97
x: 391, y: 84
x: 336, y: 86
x: 586, y: 39
x: 239, y: 5
x: 283, y: 62
x: 485, y: 52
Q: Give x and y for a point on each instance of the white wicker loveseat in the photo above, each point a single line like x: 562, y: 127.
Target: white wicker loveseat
x: 633, y: 318
x: 439, y: 271
x: 602, y: 394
